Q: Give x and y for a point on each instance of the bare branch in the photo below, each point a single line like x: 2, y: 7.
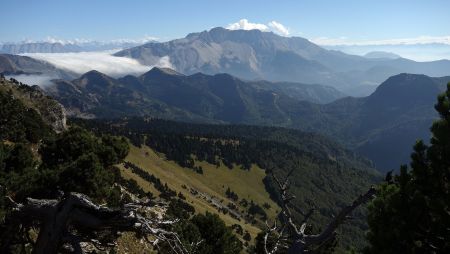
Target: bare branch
x: 279, y: 240
x: 303, y: 241
x: 340, y: 218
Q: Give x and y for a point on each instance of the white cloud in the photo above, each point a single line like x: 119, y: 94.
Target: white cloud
x: 279, y: 28
x: 146, y: 38
x: 165, y: 63
x: 272, y: 26
x: 33, y: 79
x: 102, y: 61
x: 243, y: 24
x: 400, y: 41
x: 84, y: 41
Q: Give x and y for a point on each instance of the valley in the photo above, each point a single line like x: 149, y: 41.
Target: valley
x: 377, y: 126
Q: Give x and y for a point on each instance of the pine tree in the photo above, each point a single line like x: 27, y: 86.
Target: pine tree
x: 412, y: 213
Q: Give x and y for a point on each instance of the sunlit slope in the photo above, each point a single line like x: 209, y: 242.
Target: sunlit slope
x: 213, y: 183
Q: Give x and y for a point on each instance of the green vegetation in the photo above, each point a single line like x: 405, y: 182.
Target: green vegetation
x: 82, y: 162
x: 210, y: 234
x: 46, y: 164
x: 32, y: 97
x: 204, y: 229
x: 17, y: 122
x: 200, y: 189
x: 71, y: 161
x: 325, y: 177
x: 411, y: 212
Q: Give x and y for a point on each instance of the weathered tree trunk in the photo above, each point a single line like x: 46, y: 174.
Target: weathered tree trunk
x: 53, y: 227
x: 57, y: 217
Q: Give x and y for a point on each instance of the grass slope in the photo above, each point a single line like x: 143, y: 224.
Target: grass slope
x: 213, y: 182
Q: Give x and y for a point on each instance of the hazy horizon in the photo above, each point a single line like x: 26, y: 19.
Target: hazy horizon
x: 413, y: 29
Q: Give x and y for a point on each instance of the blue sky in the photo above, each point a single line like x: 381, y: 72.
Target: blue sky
x: 328, y: 20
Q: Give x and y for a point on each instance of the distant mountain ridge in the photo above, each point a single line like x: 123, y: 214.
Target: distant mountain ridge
x: 59, y: 47
x: 252, y: 54
x: 41, y: 47
x: 381, y: 54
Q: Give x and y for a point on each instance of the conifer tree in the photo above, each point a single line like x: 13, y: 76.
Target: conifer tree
x: 412, y: 211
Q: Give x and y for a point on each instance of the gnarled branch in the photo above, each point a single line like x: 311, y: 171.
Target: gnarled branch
x: 303, y: 241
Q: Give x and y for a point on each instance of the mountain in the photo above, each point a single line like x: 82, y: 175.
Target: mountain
x: 246, y: 54
x: 253, y: 54
x: 385, y: 125
x: 23, y: 65
x: 381, y: 54
x: 63, y: 47
x: 39, y: 47
x: 168, y: 94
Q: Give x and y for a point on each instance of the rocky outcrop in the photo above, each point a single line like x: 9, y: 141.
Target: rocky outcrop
x: 52, y: 112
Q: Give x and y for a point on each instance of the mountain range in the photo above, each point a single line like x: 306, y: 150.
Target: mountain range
x: 381, y: 54
x: 254, y: 54
x: 382, y: 126
x: 62, y: 47
x: 165, y: 93
x: 38, y: 47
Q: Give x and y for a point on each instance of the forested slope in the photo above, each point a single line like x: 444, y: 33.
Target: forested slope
x: 325, y: 176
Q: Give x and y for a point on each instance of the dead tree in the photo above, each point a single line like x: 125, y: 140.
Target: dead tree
x: 302, y: 241
x: 75, y: 219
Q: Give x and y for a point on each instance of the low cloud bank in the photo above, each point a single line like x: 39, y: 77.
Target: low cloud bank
x: 102, y: 61
x: 33, y: 79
